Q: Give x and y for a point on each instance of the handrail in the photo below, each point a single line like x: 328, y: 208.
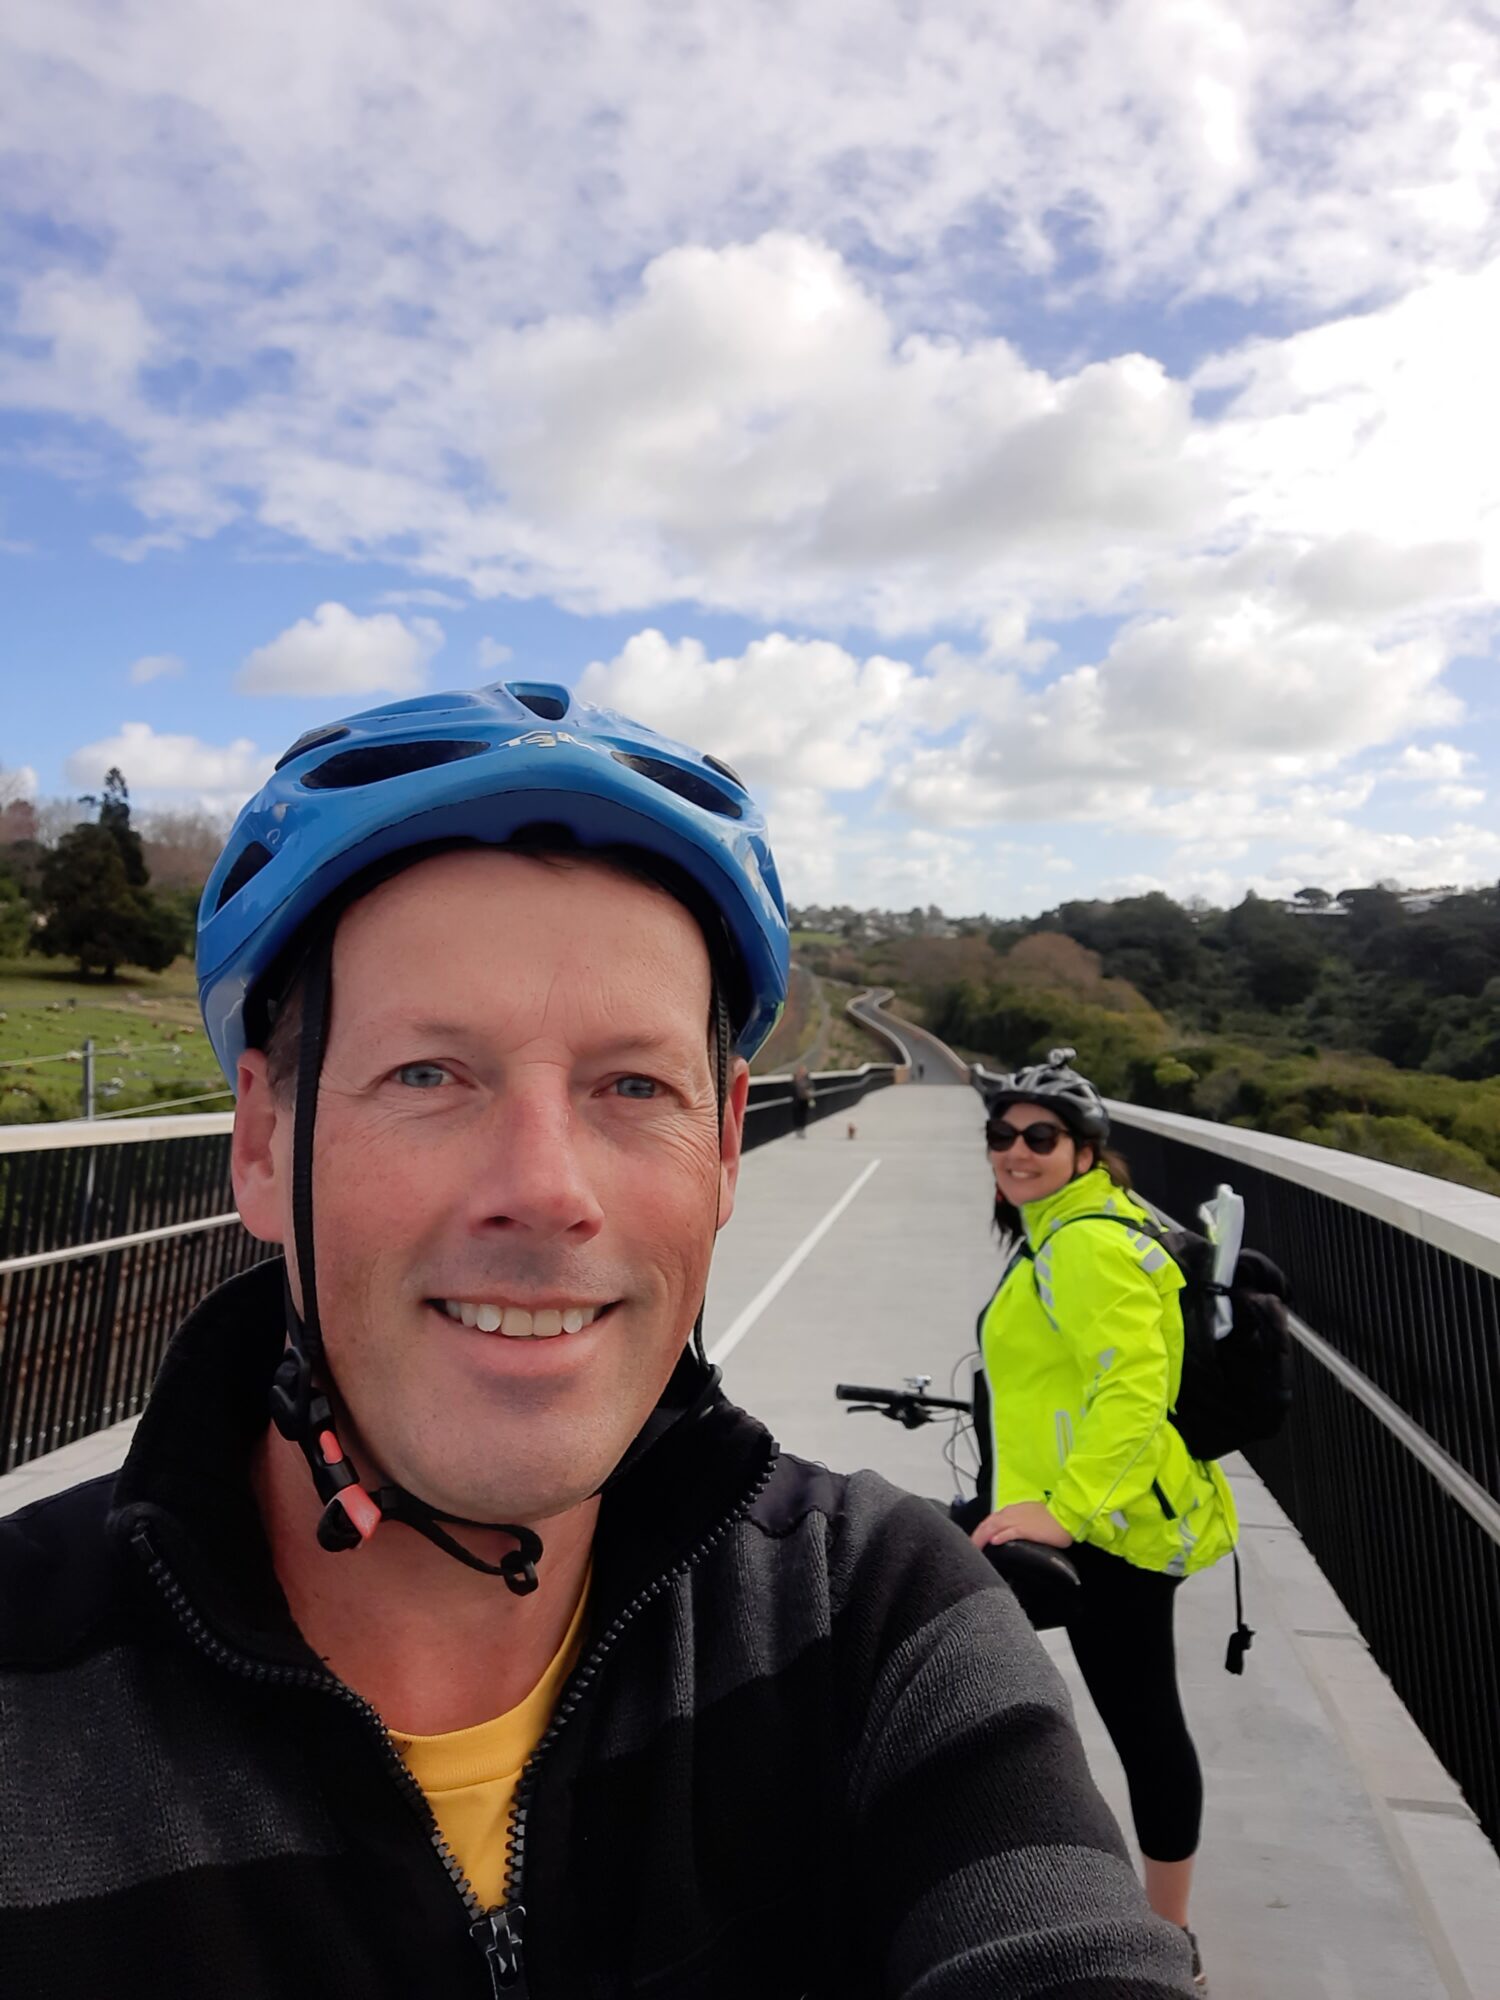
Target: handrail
x: 1462, y: 1221
x: 785, y: 1076
x: 65, y: 1132
x: 1451, y: 1476
x: 35, y: 1260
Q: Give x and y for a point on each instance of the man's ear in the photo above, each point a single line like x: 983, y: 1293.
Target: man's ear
x: 731, y: 1137
x: 261, y: 1153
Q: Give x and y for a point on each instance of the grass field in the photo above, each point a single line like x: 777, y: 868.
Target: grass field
x: 148, y: 1042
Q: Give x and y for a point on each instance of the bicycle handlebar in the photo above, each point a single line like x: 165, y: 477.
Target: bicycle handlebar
x: 1041, y: 1576
x: 849, y: 1392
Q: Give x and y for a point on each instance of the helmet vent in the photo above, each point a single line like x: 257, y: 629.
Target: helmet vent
x: 249, y: 862
x: 314, y: 739
x: 550, y: 704
x: 687, y: 784
x: 725, y: 771
x: 373, y: 763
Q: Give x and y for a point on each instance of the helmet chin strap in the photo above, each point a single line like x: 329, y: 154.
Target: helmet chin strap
x: 301, y: 1407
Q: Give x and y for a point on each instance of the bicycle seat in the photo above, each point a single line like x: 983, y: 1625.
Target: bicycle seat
x: 1043, y: 1579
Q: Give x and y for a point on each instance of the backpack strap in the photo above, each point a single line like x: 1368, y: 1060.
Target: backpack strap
x: 1145, y: 1227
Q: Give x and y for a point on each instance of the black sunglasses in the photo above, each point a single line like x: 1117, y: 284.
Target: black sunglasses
x: 1040, y: 1139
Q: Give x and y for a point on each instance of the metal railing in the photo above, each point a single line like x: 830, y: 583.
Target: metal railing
x: 108, y: 1236
x: 768, y: 1115
x: 111, y: 1233
x: 1389, y: 1463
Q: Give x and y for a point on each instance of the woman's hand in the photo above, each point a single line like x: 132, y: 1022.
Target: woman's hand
x: 1024, y: 1521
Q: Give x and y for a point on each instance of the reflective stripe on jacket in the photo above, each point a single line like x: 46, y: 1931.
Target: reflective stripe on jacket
x: 1082, y: 1349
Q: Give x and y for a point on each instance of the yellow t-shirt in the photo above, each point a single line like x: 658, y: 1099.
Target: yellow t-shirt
x: 469, y: 1775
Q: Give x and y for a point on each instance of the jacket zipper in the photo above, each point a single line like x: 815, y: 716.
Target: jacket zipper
x: 513, y: 1911
x: 497, y: 1933
x: 265, y: 1675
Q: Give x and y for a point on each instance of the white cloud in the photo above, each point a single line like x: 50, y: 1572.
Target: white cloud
x: 787, y: 711
x: 1422, y: 764
x: 1188, y: 702
x: 1357, y: 437
x: 1229, y: 737
x: 1348, y: 856
x: 759, y: 426
x: 160, y: 762
x: 17, y: 781
x: 490, y: 654
x: 810, y: 840
x: 1310, y: 147
x: 155, y: 667
x: 97, y: 337
x: 432, y: 600
x: 1226, y: 824
x: 1454, y: 798
x: 336, y: 652
x: 827, y: 856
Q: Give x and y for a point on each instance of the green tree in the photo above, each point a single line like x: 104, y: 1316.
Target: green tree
x: 92, y: 912
x: 1371, y: 910
x: 1279, y: 962
x: 15, y: 918
x: 114, y: 816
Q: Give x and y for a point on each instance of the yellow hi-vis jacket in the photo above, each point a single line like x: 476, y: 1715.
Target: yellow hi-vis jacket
x: 1082, y: 1350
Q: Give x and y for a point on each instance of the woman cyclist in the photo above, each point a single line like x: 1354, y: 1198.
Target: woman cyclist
x: 1082, y: 1360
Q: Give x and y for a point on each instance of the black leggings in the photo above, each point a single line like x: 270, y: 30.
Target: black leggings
x: 1120, y: 1628
x: 1121, y: 1634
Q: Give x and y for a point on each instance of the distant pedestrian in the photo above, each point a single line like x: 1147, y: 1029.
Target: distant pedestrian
x: 920, y: 1068
x: 804, y: 1096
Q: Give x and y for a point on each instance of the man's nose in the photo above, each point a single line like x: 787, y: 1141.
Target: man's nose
x: 533, y: 1171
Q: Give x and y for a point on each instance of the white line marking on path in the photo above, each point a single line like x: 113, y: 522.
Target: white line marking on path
x: 768, y: 1291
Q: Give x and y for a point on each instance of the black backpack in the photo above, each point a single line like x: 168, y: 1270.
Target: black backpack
x: 1235, y: 1391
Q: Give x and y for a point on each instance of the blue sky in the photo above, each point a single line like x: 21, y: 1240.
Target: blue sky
x: 1049, y: 455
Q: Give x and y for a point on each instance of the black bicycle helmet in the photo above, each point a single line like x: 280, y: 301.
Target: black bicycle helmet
x: 1061, y: 1089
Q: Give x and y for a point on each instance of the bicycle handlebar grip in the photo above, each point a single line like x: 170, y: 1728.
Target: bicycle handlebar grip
x: 849, y: 1392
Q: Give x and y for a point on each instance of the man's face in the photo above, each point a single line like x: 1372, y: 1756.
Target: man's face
x: 516, y: 1119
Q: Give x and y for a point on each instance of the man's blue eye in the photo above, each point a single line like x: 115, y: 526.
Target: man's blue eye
x: 636, y: 1086
x: 421, y: 1076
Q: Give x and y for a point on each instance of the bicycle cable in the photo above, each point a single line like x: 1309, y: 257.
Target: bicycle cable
x: 959, y: 1426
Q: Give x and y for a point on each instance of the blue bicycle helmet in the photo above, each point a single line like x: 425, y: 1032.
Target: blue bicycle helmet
x: 481, y: 766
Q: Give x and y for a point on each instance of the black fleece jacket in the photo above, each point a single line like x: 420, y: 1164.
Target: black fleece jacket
x: 811, y: 1748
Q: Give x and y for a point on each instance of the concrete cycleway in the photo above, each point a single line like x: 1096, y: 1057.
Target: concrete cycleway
x: 1339, y: 1861
x: 928, y: 1060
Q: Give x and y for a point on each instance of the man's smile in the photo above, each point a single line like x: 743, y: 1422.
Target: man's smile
x: 520, y: 1322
